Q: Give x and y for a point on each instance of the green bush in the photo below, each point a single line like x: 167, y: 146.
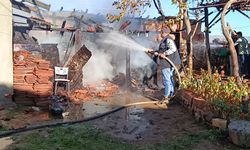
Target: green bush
x: 223, y: 94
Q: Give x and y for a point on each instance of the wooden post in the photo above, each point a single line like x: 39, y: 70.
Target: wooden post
x: 208, y: 52
x: 128, y: 84
x: 128, y: 75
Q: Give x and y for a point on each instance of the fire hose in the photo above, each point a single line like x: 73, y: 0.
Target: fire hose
x: 54, y: 124
x: 168, y: 60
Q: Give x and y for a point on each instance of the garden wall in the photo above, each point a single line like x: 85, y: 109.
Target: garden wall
x: 197, y: 106
x: 239, y: 130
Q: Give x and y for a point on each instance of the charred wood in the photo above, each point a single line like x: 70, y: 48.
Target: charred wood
x: 75, y: 66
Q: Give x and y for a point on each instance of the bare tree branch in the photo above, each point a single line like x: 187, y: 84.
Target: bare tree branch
x: 158, y: 7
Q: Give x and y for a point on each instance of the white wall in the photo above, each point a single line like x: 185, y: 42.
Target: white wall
x: 6, y: 61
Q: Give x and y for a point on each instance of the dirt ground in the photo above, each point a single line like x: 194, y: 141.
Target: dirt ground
x: 154, y: 125
x: 145, y: 124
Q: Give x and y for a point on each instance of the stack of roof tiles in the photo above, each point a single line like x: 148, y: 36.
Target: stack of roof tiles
x: 32, y: 85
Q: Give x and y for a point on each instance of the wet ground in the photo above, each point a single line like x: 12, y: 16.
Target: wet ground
x: 148, y: 124
x: 141, y: 124
x: 144, y: 124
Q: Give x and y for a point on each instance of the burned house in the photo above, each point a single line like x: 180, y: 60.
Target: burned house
x: 92, y: 48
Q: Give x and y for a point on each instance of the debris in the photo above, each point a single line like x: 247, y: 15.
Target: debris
x: 58, y: 104
x: 8, y: 95
x: 124, y: 25
x: 17, y: 124
x: 65, y: 114
x: 119, y: 79
x: 2, y: 108
x: 98, y: 28
x: 35, y: 108
x: 56, y: 108
x: 90, y: 91
x: 109, y: 89
x: 76, y: 64
x: 28, y: 110
x: 91, y: 29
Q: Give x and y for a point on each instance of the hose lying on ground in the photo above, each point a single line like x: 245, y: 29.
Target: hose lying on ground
x: 11, y: 132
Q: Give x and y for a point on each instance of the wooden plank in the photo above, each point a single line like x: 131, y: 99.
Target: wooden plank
x: 20, y: 6
x: 128, y: 72
x: 75, y: 66
x: 38, y: 3
x: 221, y: 4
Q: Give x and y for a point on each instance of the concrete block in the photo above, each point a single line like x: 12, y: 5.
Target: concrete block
x: 239, y: 132
x: 219, y: 123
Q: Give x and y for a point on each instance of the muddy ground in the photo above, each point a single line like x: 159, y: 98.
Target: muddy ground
x: 144, y: 125
x: 153, y: 125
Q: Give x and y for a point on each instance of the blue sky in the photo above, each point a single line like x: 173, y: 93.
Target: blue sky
x: 236, y: 20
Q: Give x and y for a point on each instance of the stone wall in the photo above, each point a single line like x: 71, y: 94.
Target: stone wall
x: 197, y: 106
x: 238, y: 130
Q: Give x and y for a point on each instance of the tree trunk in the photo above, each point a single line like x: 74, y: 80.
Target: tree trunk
x: 188, y: 40
x: 208, y: 53
x: 190, y: 57
x: 182, y: 50
x: 225, y: 29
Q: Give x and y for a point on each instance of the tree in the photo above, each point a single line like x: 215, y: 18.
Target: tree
x: 226, y: 32
x: 129, y: 7
x: 189, y: 38
x: 138, y: 6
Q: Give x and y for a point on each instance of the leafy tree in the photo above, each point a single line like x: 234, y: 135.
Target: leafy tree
x: 129, y: 7
x: 139, y: 7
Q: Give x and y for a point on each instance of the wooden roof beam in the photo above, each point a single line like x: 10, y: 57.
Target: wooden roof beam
x: 247, y: 2
x: 38, y: 3
x: 218, y: 20
x: 216, y: 16
x: 243, y: 13
x: 20, y: 6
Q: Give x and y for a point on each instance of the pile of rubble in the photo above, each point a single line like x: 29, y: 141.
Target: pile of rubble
x: 90, y: 91
x: 32, y: 85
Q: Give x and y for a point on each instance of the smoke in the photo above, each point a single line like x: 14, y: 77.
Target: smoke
x: 98, y: 67
x: 140, y: 59
x: 109, y: 55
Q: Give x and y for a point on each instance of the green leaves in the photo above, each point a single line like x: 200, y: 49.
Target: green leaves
x: 224, y: 94
x: 128, y: 7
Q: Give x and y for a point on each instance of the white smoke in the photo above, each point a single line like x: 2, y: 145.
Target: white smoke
x: 109, y: 56
x: 98, y: 67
